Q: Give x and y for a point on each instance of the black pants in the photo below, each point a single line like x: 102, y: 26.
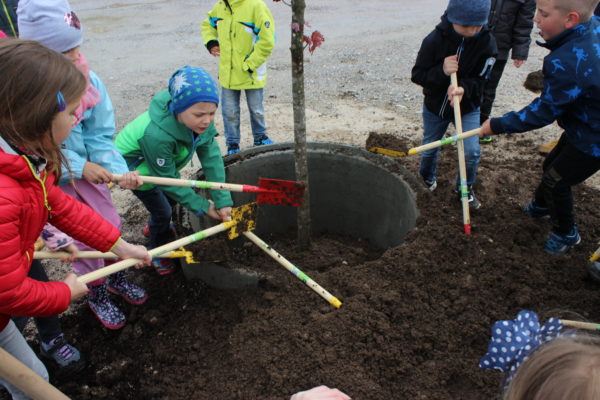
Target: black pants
x: 564, y: 167
x: 489, y: 90
x: 48, y: 327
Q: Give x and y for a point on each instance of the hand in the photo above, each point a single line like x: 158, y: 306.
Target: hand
x: 453, y: 93
x: 486, y: 129
x: 450, y: 65
x: 213, y: 213
x: 131, y: 180
x: 94, y: 173
x: 518, y: 63
x: 215, y: 51
x: 320, y: 393
x: 127, y: 250
x: 225, y: 214
x: 70, y: 249
x: 78, y: 289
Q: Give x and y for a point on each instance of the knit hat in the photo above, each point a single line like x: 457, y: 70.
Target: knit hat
x: 50, y: 22
x: 191, y: 85
x: 468, y: 12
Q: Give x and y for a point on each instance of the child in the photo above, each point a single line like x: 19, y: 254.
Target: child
x: 571, y: 97
x: 321, y: 393
x: 163, y: 140
x: 89, y: 149
x: 567, y: 367
x: 460, y: 43
x: 245, y: 32
x: 39, y: 92
x: 510, y: 22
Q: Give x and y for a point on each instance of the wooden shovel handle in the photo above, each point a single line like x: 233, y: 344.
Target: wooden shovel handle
x: 156, y: 180
x: 47, y: 255
x: 590, y: 326
x: 442, y: 142
x: 30, y: 383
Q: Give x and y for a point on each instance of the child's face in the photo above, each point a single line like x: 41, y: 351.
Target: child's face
x: 467, y: 31
x: 550, y: 20
x: 63, y: 122
x: 198, y: 117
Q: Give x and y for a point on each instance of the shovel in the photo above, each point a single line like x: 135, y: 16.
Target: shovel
x: 595, y: 256
x: 387, y: 152
x: 46, y: 255
x: 270, y: 191
x: 443, y: 142
x: 243, y: 219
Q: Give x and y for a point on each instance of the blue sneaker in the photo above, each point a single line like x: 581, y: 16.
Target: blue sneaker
x: 68, y: 359
x: 536, y: 211
x: 233, y: 148
x: 263, y: 140
x: 560, y: 244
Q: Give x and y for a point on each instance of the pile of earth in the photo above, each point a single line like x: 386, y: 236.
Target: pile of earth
x: 414, y: 322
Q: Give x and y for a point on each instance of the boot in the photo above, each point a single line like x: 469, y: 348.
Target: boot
x: 117, y: 283
x: 109, y: 315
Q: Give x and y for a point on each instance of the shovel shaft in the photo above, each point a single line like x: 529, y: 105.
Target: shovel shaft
x: 30, y: 383
x: 293, y: 269
x: 595, y: 256
x: 44, y: 255
x: 443, y: 142
x: 232, y: 187
x: 121, y: 265
x: 590, y: 326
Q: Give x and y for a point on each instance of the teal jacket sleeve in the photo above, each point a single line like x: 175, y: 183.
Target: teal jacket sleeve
x: 210, y: 157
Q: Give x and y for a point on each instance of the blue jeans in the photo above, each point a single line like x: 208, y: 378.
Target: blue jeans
x: 230, y: 108
x: 435, y: 128
x: 160, y: 207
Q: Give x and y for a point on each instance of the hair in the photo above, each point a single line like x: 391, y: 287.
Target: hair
x: 585, y: 8
x: 32, y: 76
x: 566, y: 368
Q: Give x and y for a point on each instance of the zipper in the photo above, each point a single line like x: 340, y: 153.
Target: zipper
x: 446, y: 99
x: 42, y: 183
x: 191, y: 153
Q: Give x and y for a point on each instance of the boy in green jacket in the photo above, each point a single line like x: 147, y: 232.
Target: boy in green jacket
x: 242, y: 34
x: 163, y: 140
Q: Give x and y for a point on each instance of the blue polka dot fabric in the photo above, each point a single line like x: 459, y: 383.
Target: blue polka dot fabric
x: 514, y: 340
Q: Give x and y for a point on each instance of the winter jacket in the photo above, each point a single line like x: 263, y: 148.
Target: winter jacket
x: 29, y: 198
x: 156, y: 144
x: 8, y: 17
x: 476, y: 57
x: 245, y: 32
x: 511, y: 22
x: 571, y: 94
x: 92, y: 139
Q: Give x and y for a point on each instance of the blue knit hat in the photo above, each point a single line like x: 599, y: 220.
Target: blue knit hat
x: 191, y: 85
x: 50, y: 22
x: 468, y: 12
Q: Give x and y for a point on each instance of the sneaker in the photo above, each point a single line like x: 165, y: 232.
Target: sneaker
x: 536, y: 211
x: 594, y: 270
x: 67, y: 357
x: 118, y: 284
x: 109, y: 315
x: 474, y: 204
x: 233, y: 148
x: 431, y: 185
x: 560, y: 244
x: 486, y: 139
x: 163, y: 266
x: 263, y: 140
x: 146, y: 230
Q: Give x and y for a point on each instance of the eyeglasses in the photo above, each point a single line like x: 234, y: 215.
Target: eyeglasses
x: 60, y: 99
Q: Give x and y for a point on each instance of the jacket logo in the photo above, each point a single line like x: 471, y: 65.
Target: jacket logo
x: 160, y: 162
x: 267, y: 24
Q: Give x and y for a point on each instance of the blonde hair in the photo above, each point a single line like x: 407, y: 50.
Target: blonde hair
x: 567, y: 368
x: 585, y: 8
x: 32, y: 76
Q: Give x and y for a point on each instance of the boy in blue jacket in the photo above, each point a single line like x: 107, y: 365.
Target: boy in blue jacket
x: 571, y: 96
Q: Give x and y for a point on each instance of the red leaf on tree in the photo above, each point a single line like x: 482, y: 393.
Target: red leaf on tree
x: 316, y: 39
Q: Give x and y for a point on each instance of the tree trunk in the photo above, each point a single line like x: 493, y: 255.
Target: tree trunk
x: 300, y: 155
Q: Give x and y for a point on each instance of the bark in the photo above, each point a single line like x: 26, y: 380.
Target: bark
x: 300, y: 154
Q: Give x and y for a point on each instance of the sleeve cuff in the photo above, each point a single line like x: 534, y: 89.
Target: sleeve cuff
x: 200, y: 213
x: 496, y: 125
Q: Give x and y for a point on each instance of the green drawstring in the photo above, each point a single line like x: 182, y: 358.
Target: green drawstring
x: 12, y: 27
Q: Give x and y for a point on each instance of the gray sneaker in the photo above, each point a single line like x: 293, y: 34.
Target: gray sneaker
x: 431, y: 185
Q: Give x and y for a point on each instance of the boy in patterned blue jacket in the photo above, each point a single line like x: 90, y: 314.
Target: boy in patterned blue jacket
x: 571, y: 96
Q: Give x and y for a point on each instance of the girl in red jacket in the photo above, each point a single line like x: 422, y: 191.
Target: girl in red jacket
x: 39, y: 92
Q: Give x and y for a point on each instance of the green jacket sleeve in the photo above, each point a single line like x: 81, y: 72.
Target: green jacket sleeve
x: 210, y: 157
x: 266, y: 39
x: 159, y: 156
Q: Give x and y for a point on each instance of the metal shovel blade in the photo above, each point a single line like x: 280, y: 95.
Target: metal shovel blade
x: 280, y: 192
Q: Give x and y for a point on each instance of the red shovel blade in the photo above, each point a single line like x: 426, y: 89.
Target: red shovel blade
x: 280, y: 192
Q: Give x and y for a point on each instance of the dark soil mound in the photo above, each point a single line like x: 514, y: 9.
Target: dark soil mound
x: 414, y: 322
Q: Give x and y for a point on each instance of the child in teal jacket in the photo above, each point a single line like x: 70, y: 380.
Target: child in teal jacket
x: 162, y: 140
